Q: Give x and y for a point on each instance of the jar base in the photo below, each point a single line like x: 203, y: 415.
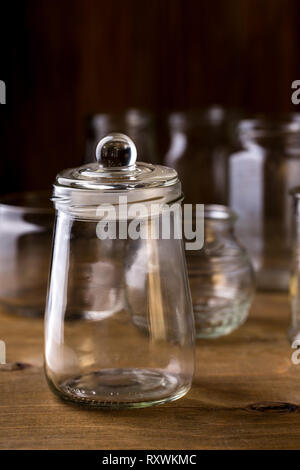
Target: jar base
x: 220, y: 317
x: 123, y: 388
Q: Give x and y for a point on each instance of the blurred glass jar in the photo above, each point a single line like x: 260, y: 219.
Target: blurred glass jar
x: 221, y: 276
x: 198, y: 151
x: 26, y: 226
x: 294, y: 328
x: 137, y: 124
x: 96, y: 352
x: 263, y: 166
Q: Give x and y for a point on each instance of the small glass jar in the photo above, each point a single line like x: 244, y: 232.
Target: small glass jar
x: 221, y: 276
x: 264, y: 165
x: 96, y: 352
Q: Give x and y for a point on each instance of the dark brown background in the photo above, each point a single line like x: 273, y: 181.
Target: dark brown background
x: 65, y: 59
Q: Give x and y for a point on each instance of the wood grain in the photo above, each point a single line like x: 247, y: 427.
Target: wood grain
x: 245, y: 395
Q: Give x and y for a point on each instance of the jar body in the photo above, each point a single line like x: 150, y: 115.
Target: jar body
x: 221, y: 279
x: 264, y: 166
x: 294, y: 328
x: 96, y: 352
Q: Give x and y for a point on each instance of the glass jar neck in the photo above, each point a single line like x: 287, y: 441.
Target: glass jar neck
x: 218, y: 221
x: 133, y: 119
x: 201, y: 125
x: 269, y: 133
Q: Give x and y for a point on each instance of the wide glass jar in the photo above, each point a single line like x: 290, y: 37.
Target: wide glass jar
x: 111, y: 266
x: 221, y: 276
x: 264, y: 165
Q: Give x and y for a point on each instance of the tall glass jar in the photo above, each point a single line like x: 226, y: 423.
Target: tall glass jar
x: 294, y: 328
x: 221, y: 276
x: 139, y: 125
x: 263, y: 166
x: 106, y: 241
x: 198, y: 151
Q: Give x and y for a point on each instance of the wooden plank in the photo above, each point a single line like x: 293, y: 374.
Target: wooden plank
x: 245, y: 395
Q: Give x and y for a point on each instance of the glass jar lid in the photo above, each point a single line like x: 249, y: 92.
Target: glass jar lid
x: 116, y: 169
x: 116, y: 172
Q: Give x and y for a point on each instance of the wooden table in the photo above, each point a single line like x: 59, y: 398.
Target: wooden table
x: 246, y: 395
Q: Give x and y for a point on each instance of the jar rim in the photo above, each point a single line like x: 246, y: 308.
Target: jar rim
x: 214, y: 115
x: 219, y: 212
x: 132, y: 117
x: 264, y: 125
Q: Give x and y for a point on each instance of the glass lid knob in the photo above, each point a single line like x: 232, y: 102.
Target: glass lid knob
x: 116, y: 151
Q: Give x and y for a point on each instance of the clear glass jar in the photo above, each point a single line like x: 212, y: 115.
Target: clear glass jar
x: 139, y: 125
x: 221, y: 276
x: 263, y: 166
x: 26, y: 226
x: 96, y: 351
x: 294, y: 328
x: 198, y: 151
